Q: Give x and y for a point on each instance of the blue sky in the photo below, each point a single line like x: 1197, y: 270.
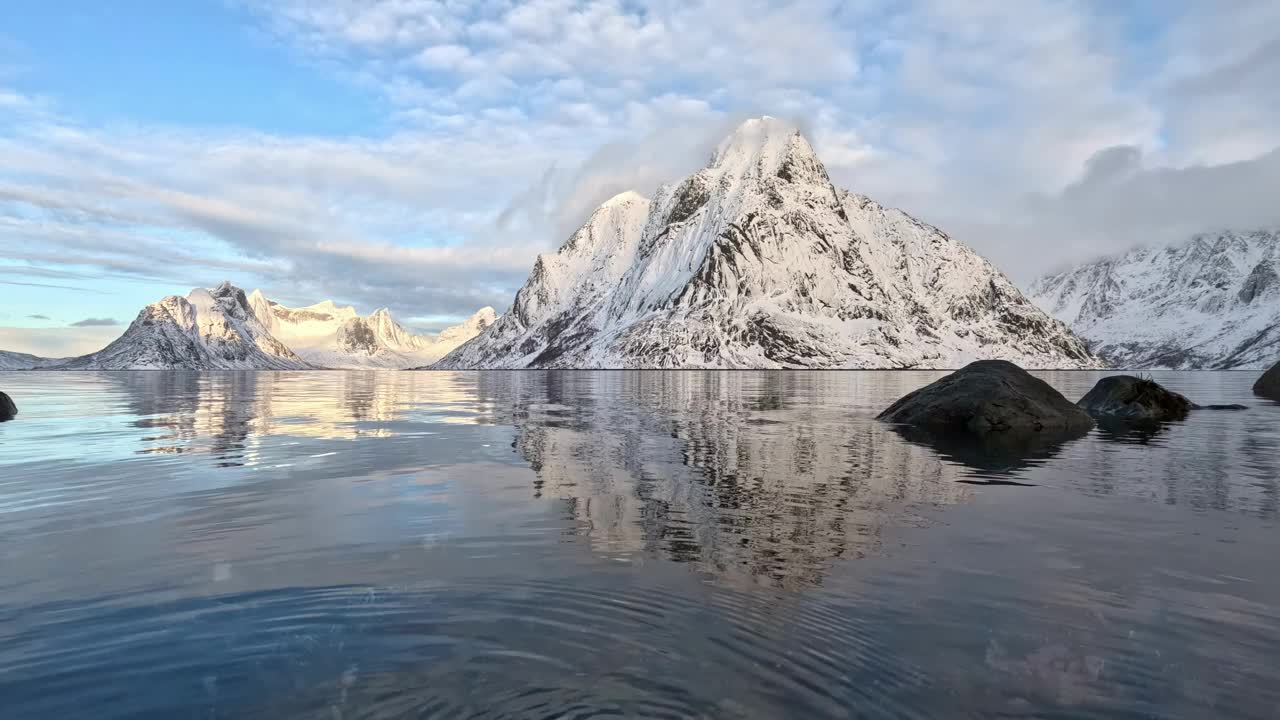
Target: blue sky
x: 419, y: 153
x: 186, y: 63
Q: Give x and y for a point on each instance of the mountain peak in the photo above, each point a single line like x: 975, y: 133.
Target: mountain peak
x: 469, y: 328
x: 481, y: 319
x: 209, y: 329
x: 759, y: 146
x: 625, y: 197
x: 329, y: 307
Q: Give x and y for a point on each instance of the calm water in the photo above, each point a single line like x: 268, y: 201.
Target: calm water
x: 685, y: 544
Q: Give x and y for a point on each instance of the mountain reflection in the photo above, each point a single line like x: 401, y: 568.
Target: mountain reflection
x: 225, y: 414
x: 995, y: 457
x: 751, y: 477
x: 744, y: 475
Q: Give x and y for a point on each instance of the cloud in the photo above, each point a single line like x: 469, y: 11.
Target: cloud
x: 39, y: 317
x: 1219, y: 81
x: 95, y: 322
x: 57, y: 342
x: 1036, y: 132
x: 1120, y: 201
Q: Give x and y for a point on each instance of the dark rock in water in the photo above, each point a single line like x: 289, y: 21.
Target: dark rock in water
x: 990, y: 397
x: 1132, y: 398
x: 7, y: 408
x: 1268, y: 385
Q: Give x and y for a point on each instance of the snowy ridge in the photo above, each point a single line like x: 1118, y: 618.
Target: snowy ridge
x: 224, y: 329
x: 1210, y: 302
x: 758, y: 261
x: 212, y: 329
x: 21, y: 361
x: 329, y: 336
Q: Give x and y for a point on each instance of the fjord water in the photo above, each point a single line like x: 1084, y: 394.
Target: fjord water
x: 662, y: 544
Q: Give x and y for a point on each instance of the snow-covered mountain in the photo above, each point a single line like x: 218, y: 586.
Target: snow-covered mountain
x: 1210, y: 302
x: 207, y: 330
x: 21, y: 361
x: 225, y: 329
x: 758, y: 261
x: 338, y: 337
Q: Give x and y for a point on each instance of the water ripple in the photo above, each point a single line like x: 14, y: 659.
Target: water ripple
x: 727, y: 545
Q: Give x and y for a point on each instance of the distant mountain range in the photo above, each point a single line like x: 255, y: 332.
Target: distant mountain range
x: 329, y: 336
x: 758, y: 261
x: 19, y: 361
x: 224, y: 329
x: 1210, y: 302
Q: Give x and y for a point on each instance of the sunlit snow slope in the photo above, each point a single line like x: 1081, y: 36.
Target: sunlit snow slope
x: 338, y: 337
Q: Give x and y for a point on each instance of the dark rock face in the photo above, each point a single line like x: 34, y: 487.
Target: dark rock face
x: 1132, y: 398
x: 355, y: 336
x: 1261, y: 280
x: 7, y: 409
x: 990, y: 397
x: 1268, y: 385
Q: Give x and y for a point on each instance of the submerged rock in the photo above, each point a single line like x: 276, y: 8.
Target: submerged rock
x: 1134, y: 398
x: 990, y: 397
x: 1268, y: 385
x: 7, y: 408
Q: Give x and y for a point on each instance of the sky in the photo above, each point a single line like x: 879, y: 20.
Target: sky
x: 419, y: 154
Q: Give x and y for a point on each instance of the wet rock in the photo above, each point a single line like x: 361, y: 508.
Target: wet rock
x: 990, y: 397
x: 1268, y: 385
x: 1129, y: 399
x: 7, y: 409
x: 1134, y: 398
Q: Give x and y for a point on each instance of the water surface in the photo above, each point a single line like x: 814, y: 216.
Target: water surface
x: 658, y: 544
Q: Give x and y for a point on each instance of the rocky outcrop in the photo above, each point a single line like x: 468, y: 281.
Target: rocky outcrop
x: 1131, y: 399
x: 1134, y: 398
x: 990, y: 415
x: 989, y: 397
x: 1268, y: 385
x: 7, y: 408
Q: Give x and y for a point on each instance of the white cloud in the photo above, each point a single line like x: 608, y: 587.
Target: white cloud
x: 446, y: 57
